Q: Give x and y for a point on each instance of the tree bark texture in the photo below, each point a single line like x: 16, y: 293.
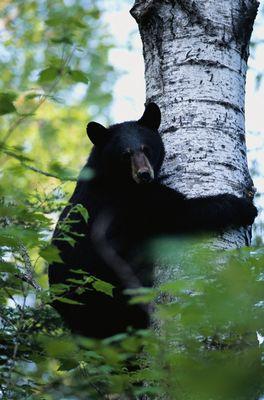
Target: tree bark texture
x: 196, y: 55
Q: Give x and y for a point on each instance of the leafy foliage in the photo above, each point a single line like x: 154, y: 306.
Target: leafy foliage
x: 53, y: 61
x: 205, y: 346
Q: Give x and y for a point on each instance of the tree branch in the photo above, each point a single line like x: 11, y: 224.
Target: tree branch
x: 243, y: 24
x: 28, y: 275
x: 141, y: 8
x: 48, y: 174
x: 43, y: 98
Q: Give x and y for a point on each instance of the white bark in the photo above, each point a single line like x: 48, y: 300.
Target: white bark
x: 195, y: 55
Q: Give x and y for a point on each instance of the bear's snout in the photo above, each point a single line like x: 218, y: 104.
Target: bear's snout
x: 142, y: 171
x: 144, y: 176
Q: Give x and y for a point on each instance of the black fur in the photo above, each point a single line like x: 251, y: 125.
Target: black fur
x: 124, y: 216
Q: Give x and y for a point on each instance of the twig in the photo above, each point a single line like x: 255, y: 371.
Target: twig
x: 28, y: 275
x: 17, y: 122
x: 40, y: 171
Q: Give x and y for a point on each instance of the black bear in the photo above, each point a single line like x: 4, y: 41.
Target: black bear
x: 127, y: 207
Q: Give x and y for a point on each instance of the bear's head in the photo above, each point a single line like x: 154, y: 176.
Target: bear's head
x: 130, y: 151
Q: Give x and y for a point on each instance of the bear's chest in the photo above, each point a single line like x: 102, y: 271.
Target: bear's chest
x: 128, y: 229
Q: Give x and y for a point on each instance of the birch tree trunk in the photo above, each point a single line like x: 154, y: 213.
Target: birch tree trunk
x: 196, y: 55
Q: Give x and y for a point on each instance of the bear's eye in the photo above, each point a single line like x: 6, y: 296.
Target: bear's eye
x: 126, y: 155
x: 146, y: 150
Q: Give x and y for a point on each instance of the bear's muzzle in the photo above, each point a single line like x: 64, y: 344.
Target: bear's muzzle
x: 142, y: 172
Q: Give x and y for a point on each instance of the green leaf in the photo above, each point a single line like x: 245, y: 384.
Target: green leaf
x: 79, y: 271
x: 86, y: 174
x: 75, y: 21
x: 83, y: 211
x: 62, y: 20
x: 116, y: 338
x: 176, y: 287
x: 62, y: 347
x: 76, y: 281
x: 141, y: 295
x: 10, y: 95
x: 51, y: 254
x: 62, y: 39
x: 104, y: 287
x: 66, y: 364
x: 78, y: 76
x: 31, y: 96
x: 67, y: 300
x: 62, y: 172
x: 6, y: 103
x: 54, y: 21
x: 48, y: 75
x: 7, y: 267
x: 12, y: 235
x: 58, y: 288
x: 13, y: 153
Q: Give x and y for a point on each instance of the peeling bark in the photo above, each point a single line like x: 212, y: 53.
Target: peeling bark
x: 195, y: 68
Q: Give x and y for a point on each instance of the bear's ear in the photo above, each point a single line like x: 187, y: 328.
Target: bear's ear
x: 151, y: 117
x: 97, y: 133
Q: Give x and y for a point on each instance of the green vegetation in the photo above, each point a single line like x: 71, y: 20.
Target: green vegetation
x: 205, y: 346
x: 54, y: 78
